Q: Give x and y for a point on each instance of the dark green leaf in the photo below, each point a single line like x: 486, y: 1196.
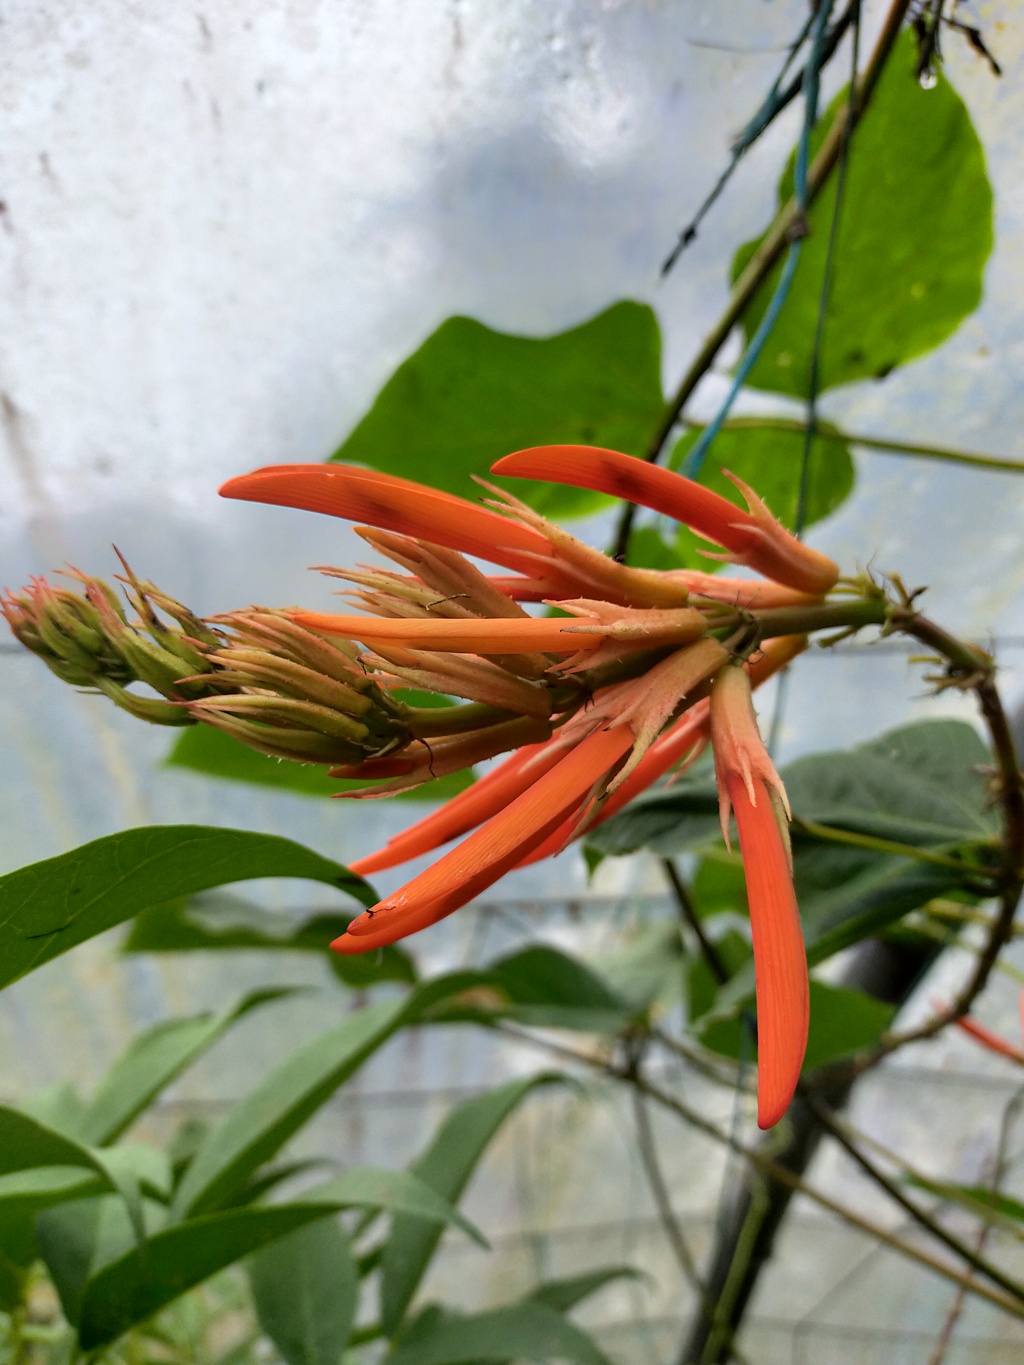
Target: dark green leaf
x: 52, y: 906
x: 470, y: 395
x: 202, y: 749
x: 10, y: 1285
x: 529, y: 1330
x: 152, y: 1061
x: 446, y: 1167
x: 914, y: 235
x: 306, y: 1288
x: 126, y: 1291
x: 220, y: 921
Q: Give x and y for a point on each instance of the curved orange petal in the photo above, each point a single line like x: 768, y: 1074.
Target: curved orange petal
x: 492, y: 849
x: 647, y: 485
x: 393, y: 504
x: 780, y: 960
x: 485, y: 798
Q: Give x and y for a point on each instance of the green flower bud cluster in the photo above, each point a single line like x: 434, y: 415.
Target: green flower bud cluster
x: 258, y: 675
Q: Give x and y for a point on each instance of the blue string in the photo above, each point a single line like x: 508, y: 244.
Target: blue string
x: 696, y: 456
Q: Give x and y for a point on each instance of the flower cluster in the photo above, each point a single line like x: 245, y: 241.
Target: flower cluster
x: 629, y: 679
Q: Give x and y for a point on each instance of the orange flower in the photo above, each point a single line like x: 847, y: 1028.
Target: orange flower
x: 749, y: 786
x: 989, y: 1039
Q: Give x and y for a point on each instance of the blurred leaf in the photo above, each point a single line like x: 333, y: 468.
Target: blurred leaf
x: 446, y: 1167
x: 529, y: 1330
x: 843, y: 1021
x: 202, y: 749
x: 126, y: 1291
x: 25, y: 1143
x: 547, y: 988
x: 217, y: 921
x: 10, y: 1285
x: 76, y: 1240
x: 719, y: 888
x: 306, y: 1289
x: 152, y: 1061
x: 992, y: 1207
x: 734, y: 952
x: 470, y: 395
x: 914, y: 235
x: 261, y: 1123
x: 646, y: 969
x: 51, y: 906
x: 561, y: 1295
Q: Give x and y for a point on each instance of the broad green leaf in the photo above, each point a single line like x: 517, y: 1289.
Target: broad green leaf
x: 914, y: 235
x: 260, y: 1124
x: 446, y: 1167
x: 470, y: 395
x: 921, y: 784
x: 202, y: 749
x: 51, y: 906
x: 217, y: 920
x: 306, y: 1289
x: 152, y: 1061
x: 123, y: 1292
x: 529, y: 1330
x: 768, y: 458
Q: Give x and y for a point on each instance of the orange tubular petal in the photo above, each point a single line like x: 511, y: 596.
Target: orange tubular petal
x: 780, y: 960
x: 456, y: 635
x: 491, y: 850
x: 393, y: 504
x: 647, y: 485
x: 484, y: 799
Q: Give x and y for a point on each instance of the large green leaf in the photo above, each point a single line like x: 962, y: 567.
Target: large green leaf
x: 914, y: 235
x: 219, y: 921
x: 125, y: 1291
x: 152, y: 1061
x: 306, y: 1289
x: 770, y: 459
x: 446, y: 1167
x: 470, y: 395
x: 51, y: 906
x: 202, y: 749
x: 529, y: 1330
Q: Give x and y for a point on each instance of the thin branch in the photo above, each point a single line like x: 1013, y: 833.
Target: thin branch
x: 775, y: 242
x: 885, y: 445
x: 689, y: 916
x: 999, y: 1166
x: 840, y: 1133
x: 766, y: 1165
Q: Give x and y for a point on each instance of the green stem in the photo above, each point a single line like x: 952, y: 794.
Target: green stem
x: 880, y: 443
x: 846, y: 836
